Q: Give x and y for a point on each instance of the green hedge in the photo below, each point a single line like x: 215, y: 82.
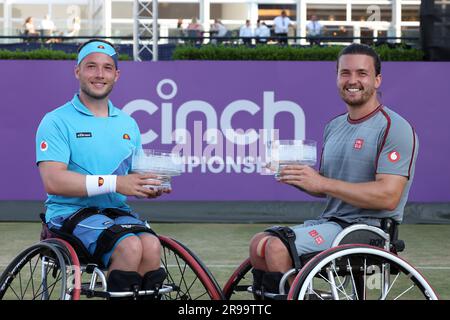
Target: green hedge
x: 290, y: 53
x: 44, y: 54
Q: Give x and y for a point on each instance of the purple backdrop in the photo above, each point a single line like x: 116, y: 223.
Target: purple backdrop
x: 418, y: 91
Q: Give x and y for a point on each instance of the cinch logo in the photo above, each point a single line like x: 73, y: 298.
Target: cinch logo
x: 270, y: 110
x: 126, y: 136
x: 101, y: 181
x: 100, y: 47
x: 219, y: 146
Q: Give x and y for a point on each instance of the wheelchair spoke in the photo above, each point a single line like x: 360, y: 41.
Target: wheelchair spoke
x: 341, y: 285
x: 390, y: 287
x: 31, y: 280
x: 52, y: 286
x: 364, y: 279
x: 396, y: 298
x: 182, y: 271
x: 15, y: 293
x: 353, y: 279
x: 331, y: 284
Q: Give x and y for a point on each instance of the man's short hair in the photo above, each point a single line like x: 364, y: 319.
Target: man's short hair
x: 358, y: 48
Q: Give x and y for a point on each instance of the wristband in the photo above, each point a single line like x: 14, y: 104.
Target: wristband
x: 96, y: 185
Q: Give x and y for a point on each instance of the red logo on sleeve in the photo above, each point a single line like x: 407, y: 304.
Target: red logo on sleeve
x: 394, y: 156
x: 44, y: 146
x: 358, y: 144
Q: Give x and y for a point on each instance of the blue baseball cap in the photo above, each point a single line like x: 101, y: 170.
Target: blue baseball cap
x: 97, y: 46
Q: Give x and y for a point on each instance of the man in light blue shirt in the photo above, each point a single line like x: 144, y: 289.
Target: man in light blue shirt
x: 83, y: 151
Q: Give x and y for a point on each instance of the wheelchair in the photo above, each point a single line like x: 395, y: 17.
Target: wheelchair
x: 60, y: 268
x: 362, y: 264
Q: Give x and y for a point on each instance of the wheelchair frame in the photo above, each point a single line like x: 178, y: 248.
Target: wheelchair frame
x: 61, y: 271
x: 302, y: 284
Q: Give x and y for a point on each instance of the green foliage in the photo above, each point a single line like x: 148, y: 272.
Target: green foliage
x: 43, y: 54
x: 290, y: 53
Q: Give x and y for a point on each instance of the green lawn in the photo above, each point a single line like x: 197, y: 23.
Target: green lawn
x: 222, y: 247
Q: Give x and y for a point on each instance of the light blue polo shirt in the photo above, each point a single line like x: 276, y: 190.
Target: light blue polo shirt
x: 89, y: 145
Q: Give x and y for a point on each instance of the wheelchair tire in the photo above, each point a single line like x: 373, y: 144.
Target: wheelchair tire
x: 239, y: 281
x: 72, y: 261
x: 190, y: 278
x: 397, y: 279
x: 36, y: 274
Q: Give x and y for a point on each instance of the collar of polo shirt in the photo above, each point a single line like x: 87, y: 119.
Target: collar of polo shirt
x: 80, y: 107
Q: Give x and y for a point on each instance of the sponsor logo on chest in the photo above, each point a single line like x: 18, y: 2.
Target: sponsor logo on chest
x: 358, y: 144
x: 84, y: 134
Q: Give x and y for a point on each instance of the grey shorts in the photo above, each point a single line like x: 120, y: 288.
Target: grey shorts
x: 315, y: 235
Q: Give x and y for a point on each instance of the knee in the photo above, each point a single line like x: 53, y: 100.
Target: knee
x: 151, y: 246
x: 258, y: 243
x: 275, y: 247
x: 129, y: 247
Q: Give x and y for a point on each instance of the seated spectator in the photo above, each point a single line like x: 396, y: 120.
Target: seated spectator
x: 246, y: 33
x: 76, y: 26
x: 218, y: 30
x: 195, y: 30
x: 262, y: 32
x: 29, y: 29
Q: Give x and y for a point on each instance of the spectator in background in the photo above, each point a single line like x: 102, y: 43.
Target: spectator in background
x: 281, y: 27
x: 48, y: 29
x: 195, y: 30
x: 246, y: 33
x: 76, y: 26
x: 47, y: 26
x: 262, y: 32
x: 29, y: 29
x: 314, y: 30
x: 218, y: 30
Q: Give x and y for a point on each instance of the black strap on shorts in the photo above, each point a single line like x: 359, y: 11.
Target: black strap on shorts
x: 287, y: 236
x: 340, y: 222
x: 109, y: 236
x: 71, y: 222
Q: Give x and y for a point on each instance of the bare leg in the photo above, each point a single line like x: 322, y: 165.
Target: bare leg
x: 127, y: 255
x: 257, y: 261
x: 277, y: 256
x: 151, y: 253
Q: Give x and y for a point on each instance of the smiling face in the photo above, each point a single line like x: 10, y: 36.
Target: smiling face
x: 357, y: 80
x: 97, y: 74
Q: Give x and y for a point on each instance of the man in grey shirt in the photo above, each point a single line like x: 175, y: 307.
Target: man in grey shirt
x: 366, y: 169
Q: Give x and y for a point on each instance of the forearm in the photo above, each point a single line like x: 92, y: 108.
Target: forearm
x: 367, y: 195
x: 65, y: 183
x: 313, y: 194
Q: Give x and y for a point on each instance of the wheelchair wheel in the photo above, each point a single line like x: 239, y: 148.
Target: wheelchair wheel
x: 374, y: 274
x: 72, y: 266
x: 241, y: 279
x: 188, y: 276
x: 37, y: 273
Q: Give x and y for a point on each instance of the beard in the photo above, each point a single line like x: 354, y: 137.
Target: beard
x: 361, y: 99
x: 94, y: 95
